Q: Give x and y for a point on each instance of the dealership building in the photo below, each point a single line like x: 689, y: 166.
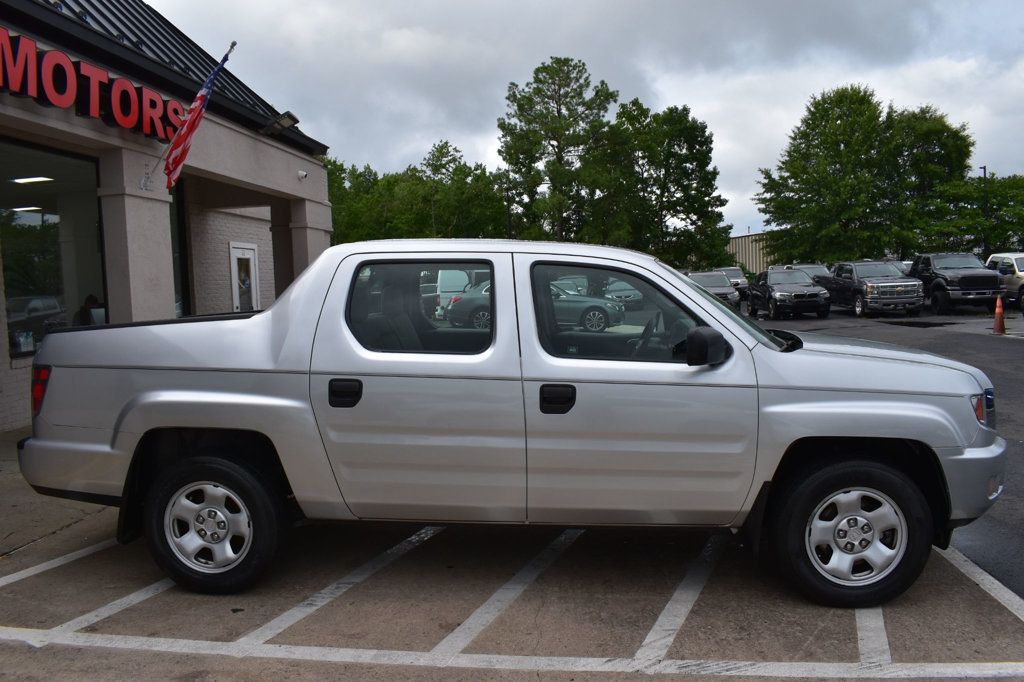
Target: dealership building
x: 90, y: 93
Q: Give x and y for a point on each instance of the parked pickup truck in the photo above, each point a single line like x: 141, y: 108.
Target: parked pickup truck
x: 952, y: 279
x: 845, y: 460
x: 874, y: 287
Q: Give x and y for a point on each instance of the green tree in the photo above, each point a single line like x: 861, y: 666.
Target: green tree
x: 551, y: 125
x: 856, y: 182
x: 983, y: 215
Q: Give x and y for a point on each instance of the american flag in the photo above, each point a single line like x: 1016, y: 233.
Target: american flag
x: 178, y: 148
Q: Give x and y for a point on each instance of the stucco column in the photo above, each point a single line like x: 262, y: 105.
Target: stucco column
x: 136, y: 238
x: 311, y: 232
x: 281, y: 236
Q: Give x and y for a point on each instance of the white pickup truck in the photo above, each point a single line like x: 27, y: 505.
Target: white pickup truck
x: 346, y: 400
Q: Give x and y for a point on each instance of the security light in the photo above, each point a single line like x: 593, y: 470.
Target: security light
x: 282, y: 122
x: 27, y: 208
x: 25, y: 181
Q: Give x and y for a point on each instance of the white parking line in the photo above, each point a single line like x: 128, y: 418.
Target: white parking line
x: 778, y: 669
x: 460, y: 638
x: 116, y: 606
x: 656, y: 645
x: 54, y: 563
x: 872, y: 640
x: 1000, y: 592
x: 334, y: 590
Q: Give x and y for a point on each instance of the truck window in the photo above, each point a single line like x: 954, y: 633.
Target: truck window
x: 397, y: 307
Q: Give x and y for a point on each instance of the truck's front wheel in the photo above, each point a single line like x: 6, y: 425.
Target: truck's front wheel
x: 852, y: 534
x: 212, y: 525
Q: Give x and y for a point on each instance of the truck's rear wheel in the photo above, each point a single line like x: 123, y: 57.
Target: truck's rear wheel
x: 852, y: 534
x: 212, y: 525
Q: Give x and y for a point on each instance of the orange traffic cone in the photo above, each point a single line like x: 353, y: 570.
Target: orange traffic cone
x: 999, y: 325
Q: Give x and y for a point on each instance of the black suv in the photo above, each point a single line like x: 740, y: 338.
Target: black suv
x: 787, y: 292
x: 874, y: 286
x: 956, y: 279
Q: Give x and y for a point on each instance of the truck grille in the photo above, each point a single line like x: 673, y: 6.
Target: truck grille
x: 979, y: 282
x: 896, y: 290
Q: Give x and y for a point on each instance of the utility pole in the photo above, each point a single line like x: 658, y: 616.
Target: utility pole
x: 984, y: 209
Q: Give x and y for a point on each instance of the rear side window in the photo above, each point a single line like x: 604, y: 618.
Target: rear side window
x: 607, y: 315
x: 423, y: 306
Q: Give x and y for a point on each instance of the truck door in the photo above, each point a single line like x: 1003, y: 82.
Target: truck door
x: 619, y: 428
x: 421, y: 419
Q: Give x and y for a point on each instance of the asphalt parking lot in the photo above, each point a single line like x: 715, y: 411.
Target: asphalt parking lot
x: 368, y: 601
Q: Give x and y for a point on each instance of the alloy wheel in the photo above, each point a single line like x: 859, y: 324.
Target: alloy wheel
x: 481, y: 319
x: 856, y: 536
x: 595, y: 321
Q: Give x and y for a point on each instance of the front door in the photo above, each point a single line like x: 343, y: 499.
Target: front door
x: 619, y: 429
x: 245, y: 289
x: 422, y: 417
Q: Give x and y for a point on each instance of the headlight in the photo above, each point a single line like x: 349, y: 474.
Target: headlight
x: 734, y: 296
x: 614, y: 306
x: 782, y: 294
x: 824, y: 294
x: 872, y: 289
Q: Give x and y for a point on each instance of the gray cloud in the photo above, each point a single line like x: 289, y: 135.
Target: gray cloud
x: 380, y: 82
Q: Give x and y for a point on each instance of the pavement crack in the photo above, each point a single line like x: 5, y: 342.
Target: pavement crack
x: 9, y: 552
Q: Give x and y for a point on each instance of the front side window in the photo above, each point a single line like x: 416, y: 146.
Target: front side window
x: 613, y: 315
x: 423, y: 307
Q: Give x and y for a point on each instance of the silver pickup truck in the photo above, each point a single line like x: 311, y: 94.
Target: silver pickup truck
x: 348, y: 399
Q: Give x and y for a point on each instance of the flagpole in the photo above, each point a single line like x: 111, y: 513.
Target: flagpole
x: 147, y: 177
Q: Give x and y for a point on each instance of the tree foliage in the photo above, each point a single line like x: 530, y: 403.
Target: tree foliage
x: 860, y: 181
x: 642, y: 179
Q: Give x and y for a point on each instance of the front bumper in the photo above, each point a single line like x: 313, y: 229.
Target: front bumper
x: 975, y: 479
x: 894, y: 304
x: 974, y: 296
x: 806, y: 305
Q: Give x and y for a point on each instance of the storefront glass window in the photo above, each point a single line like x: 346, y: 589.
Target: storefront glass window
x: 50, y: 244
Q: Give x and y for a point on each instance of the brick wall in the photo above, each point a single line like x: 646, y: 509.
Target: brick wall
x: 211, y: 233
x: 15, y: 377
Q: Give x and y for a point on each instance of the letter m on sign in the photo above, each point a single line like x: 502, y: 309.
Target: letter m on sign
x: 18, y: 64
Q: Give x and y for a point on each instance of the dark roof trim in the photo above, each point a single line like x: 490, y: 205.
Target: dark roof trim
x: 62, y: 31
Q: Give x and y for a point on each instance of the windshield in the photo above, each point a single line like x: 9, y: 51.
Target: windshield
x: 761, y: 335
x: 959, y: 260
x: 788, y: 277
x: 735, y: 273
x: 813, y: 270
x: 710, y: 279
x: 877, y: 270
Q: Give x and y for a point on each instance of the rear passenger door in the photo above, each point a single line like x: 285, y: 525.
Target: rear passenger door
x: 619, y: 428
x: 421, y: 419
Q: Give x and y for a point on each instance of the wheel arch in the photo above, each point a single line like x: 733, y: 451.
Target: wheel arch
x: 914, y: 458
x: 160, y: 447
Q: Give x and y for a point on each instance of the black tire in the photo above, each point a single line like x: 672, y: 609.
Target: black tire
x: 773, y: 310
x: 940, y: 302
x: 822, y: 314
x: 800, y: 497
x: 261, y: 500
x: 594, y: 320
x: 860, y: 308
x: 474, y: 322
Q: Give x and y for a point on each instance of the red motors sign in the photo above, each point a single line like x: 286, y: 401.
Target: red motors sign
x: 52, y: 78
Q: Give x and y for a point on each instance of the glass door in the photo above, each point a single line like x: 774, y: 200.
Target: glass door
x: 245, y: 289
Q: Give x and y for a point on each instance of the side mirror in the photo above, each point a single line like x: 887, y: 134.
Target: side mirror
x: 705, y: 346
x: 992, y: 265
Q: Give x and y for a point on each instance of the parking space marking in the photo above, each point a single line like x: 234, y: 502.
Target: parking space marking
x: 54, y: 563
x: 116, y: 606
x: 338, y: 588
x: 872, y: 640
x: 665, y: 629
x: 460, y: 638
x: 514, y: 662
x: 998, y: 591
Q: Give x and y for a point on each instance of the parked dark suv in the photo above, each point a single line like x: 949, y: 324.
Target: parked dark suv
x: 874, y: 287
x: 787, y: 292
x: 952, y: 279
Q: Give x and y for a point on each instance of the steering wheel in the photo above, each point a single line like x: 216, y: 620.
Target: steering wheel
x: 648, y: 332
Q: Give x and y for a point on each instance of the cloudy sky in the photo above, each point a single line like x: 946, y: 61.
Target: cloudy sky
x: 381, y: 81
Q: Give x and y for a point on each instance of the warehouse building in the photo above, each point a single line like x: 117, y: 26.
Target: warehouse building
x: 90, y: 93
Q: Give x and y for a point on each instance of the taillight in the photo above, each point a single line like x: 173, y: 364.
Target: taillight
x: 455, y: 299
x: 40, y: 377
